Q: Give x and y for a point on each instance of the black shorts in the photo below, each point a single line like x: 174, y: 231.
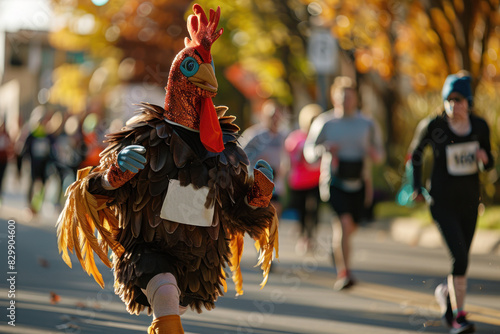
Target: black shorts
x: 348, y: 202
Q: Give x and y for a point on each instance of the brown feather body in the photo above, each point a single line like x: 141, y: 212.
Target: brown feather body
x: 196, y: 256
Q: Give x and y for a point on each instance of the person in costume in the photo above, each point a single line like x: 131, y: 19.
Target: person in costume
x: 460, y: 143
x: 172, y: 197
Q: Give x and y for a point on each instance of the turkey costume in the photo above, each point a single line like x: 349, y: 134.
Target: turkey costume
x: 172, y: 197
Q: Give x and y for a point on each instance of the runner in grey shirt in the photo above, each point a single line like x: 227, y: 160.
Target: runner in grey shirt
x: 265, y: 141
x: 348, y: 143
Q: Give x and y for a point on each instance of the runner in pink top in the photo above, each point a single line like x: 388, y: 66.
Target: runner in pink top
x: 303, y: 179
x: 302, y: 175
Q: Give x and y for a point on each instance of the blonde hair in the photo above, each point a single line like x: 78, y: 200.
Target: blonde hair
x: 307, y: 114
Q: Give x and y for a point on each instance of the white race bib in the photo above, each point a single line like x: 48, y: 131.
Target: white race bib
x: 186, y: 205
x: 461, y: 158
x: 41, y: 147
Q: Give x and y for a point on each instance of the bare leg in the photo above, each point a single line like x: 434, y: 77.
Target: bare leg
x: 342, y: 244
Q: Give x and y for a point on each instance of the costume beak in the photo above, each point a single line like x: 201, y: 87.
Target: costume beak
x: 205, y: 78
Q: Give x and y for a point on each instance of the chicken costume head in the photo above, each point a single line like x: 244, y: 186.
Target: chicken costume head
x: 192, y: 82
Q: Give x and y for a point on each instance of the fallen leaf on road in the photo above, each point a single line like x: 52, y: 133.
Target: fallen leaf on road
x: 54, y: 298
x: 81, y: 305
x: 43, y: 262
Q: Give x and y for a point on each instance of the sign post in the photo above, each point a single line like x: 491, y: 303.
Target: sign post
x: 323, y: 54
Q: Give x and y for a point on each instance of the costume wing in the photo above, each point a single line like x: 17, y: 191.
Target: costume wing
x: 87, y: 225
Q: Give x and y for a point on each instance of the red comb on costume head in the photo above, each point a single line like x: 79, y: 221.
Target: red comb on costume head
x: 202, y: 31
x: 192, y: 105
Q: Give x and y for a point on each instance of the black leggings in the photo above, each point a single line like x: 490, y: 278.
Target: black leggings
x: 306, y: 203
x: 457, y: 224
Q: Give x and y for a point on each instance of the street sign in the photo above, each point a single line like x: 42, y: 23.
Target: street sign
x: 322, y: 51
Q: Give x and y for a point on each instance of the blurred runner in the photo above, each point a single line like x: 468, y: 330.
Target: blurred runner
x: 461, y: 148
x: 6, y: 151
x: 93, y: 141
x: 69, y: 151
x: 37, y: 147
x: 265, y: 140
x: 351, y: 143
x: 303, y: 179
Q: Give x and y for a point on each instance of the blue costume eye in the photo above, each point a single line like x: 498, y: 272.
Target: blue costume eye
x: 189, y: 66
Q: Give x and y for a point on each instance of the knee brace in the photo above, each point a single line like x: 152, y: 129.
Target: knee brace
x: 163, y: 295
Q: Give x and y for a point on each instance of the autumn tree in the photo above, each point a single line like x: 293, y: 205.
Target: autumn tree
x: 402, y: 47
x: 267, y: 38
x: 147, y: 34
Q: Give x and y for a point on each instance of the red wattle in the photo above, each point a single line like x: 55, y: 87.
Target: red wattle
x: 210, y: 131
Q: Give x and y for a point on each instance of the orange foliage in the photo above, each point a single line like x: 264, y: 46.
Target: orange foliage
x: 151, y: 32
x: 427, y: 40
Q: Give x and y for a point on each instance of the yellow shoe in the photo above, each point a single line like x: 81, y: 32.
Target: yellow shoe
x: 168, y: 324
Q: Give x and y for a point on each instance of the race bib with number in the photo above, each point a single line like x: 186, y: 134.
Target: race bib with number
x: 461, y: 158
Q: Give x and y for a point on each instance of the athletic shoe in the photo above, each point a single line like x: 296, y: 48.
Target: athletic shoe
x: 343, y: 283
x: 462, y: 326
x: 443, y: 300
